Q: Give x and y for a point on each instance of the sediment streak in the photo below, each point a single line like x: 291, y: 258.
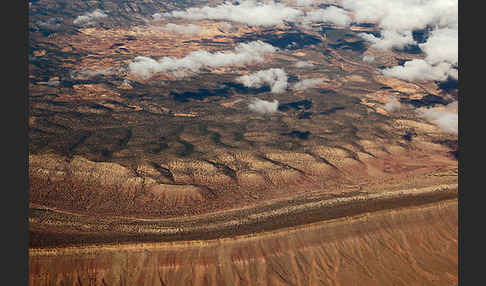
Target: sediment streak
x: 230, y: 223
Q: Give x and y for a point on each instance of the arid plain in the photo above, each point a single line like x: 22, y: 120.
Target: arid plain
x: 175, y: 179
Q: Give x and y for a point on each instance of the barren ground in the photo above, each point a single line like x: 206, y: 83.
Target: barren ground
x: 173, y: 180
x: 413, y: 246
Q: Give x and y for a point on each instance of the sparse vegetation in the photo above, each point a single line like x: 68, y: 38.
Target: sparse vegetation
x: 183, y: 155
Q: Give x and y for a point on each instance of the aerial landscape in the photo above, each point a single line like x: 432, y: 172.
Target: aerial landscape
x: 292, y: 142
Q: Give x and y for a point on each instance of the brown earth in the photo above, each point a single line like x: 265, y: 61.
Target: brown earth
x: 53, y: 227
x: 196, y: 186
x: 408, y: 246
x: 334, y: 191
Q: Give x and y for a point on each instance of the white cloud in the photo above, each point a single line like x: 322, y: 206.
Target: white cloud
x: 393, y: 105
x: 227, y: 28
x: 441, y: 55
x: 303, y: 64
x: 404, y: 15
x: 305, y: 3
x: 91, y: 73
x: 307, y: 83
x: 255, y: 47
x: 88, y: 18
x: 263, y: 106
x: 244, y: 53
x: 446, y: 117
x: 275, y: 78
x: 368, y: 58
x: 181, y: 29
x: 398, y: 18
x: 51, y: 23
x: 256, y: 13
x: 53, y: 82
x: 157, y: 17
x: 421, y: 70
x: 332, y: 14
x: 247, y: 12
x: 390, y: 39
x: 442, y: 46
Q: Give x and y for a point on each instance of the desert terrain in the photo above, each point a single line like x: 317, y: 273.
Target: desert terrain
x: 145, y: 174
x: 412, y: 246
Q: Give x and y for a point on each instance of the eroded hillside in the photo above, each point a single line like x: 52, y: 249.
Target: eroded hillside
x: 240, y: 153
